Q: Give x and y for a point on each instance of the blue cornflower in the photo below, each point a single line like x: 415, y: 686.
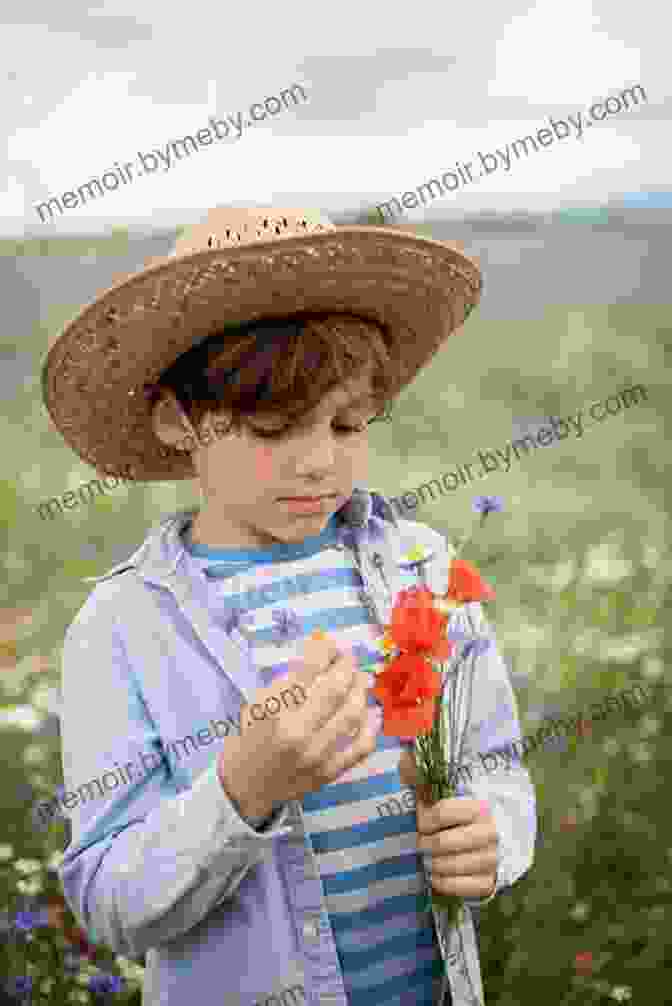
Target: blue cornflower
x: 237, y: 620
x: 487, y: 504
x: 359, y: 537
x: 104, y: 984
x: 287, y: 625
x: 21, y: 985
x: 381, y: 508
x: 376, y: 530
x: 476, y: 646
x: 25, y: 922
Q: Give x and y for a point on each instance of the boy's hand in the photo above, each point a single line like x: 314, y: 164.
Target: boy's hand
x: 282, y: 757
x: 461, y: 836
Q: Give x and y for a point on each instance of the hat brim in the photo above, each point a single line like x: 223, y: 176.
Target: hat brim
x: 421, y: 290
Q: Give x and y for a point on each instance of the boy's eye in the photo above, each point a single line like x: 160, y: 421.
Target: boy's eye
x: 268, y: 434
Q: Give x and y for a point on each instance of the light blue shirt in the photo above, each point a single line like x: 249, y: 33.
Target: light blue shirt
x: 322, y: 904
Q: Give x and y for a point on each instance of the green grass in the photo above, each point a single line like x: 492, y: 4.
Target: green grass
x: 581, y: 564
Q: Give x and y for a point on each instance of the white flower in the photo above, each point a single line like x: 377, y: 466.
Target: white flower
x: 605, y: 564
x: 27, y: 866
x: 47, y: 699
x: 7, y: 851
x: 652, y: 667
x: 131, y: 971
x: 35, y: 754
x: 624, y: 650
x: 55, y: 861
x: 531, y: 637
x: 563, y: 574
x: 556, y: 578
x: 24, y: 717
x: 650, y: 556
x: 580, y: 911
x: 640, y: 753
x: 30, y: 887
x: 621, y: 993
x: 650, y: 725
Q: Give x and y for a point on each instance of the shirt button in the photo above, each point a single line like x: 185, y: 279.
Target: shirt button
x: 311, y: 932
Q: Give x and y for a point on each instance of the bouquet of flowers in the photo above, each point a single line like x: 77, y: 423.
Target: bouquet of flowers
x: 431, y: 645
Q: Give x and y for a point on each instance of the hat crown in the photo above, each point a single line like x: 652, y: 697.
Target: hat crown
x: 226, y: 226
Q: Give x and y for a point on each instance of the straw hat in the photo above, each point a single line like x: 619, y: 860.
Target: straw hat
x: 240, y: 265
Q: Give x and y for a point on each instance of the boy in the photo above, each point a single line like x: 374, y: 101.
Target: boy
x: 266, y: 870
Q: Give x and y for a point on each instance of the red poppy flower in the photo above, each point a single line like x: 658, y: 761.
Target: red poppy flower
x: 465, y: 583
x: 568, y: 823
x: 417, y: 626
x: 407, y: 690
x: 584, y: 727
x: 583, y: 963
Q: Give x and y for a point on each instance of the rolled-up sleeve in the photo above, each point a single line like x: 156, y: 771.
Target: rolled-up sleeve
x: 146, y: 863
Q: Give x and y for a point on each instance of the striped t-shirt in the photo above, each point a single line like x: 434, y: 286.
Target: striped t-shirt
x: 362, y: 827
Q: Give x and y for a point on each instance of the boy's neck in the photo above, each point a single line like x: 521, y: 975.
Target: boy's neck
x: 225, y: 535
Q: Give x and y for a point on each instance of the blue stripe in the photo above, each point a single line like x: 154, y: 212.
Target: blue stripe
x: 331, y: 618
x: 284, y: 588
x: 388, y: 743
x: 356, y: 835
x: 362, y: 877
x: 272, y: 671
x: 396, y: 946
x: 396, y: 987
x: 349, y: 792
x: 401, y: 904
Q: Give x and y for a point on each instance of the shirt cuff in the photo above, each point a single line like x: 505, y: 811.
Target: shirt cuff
x: 261, y: 823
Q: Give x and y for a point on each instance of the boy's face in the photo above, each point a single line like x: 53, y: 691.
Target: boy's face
x: 251, y: 481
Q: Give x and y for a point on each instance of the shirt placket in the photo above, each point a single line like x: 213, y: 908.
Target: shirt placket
x: 315, y: 938
x: 323, y: 978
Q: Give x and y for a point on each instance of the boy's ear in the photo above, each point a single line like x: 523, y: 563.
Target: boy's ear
x: 169, y: 422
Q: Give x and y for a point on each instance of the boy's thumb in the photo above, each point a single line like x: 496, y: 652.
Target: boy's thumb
x: 408, y: 773
x: 411, y: 776
x: 317, y: 653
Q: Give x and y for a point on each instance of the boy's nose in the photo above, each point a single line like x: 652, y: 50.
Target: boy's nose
x: 316, y: 456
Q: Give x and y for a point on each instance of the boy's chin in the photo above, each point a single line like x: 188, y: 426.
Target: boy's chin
x: 301, y: 526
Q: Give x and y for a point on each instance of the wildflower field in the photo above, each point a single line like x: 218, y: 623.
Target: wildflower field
x: 581, y: 565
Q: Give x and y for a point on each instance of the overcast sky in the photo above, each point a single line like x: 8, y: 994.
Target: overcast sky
x: 397, y: 93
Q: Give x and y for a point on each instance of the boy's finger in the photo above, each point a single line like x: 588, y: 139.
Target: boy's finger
x: 318, y: 651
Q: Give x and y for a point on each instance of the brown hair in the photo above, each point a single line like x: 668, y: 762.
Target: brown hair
x: 283, y: 365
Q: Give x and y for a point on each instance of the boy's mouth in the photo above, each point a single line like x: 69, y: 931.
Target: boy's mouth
x: 309, y: 504
x: 305, y: 499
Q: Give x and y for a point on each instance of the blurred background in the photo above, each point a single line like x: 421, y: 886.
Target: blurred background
x: 574, y: 243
